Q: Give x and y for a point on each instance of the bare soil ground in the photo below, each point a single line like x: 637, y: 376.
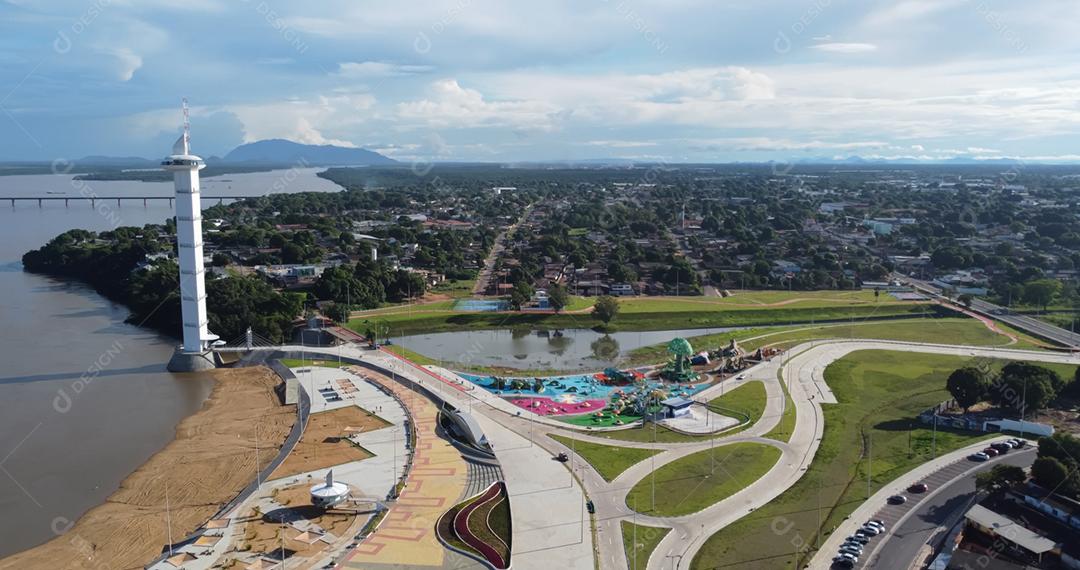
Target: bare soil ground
x: 325, y: 442
x: 209, y: 462
x: 262, y: 531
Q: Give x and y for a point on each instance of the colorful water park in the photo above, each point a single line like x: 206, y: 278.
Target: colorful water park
x: 609, y: 398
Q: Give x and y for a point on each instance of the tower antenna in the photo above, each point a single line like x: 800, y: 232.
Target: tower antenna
x: 187, y: 124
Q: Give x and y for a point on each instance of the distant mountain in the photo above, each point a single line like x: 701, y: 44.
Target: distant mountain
x: 279, y: 151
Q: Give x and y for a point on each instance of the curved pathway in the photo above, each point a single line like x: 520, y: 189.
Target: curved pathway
x: 803, y: 372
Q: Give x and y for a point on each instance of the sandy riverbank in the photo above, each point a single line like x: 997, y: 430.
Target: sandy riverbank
x: 211, y: 459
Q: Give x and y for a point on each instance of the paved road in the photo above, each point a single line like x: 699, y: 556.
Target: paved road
x: 1032, y: 325
x: 930, y: 520
x: 804, y: 376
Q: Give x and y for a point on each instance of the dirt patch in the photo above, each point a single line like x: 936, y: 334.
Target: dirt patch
x: 209, y: 462
x: 261, y: 532
x: 325, y: 442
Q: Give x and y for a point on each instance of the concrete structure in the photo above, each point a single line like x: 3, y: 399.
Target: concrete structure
x: 193, y: 354
x: 329, y: 493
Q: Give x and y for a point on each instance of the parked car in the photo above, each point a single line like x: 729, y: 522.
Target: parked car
x: 1019, y: 443
x: 842, y: 562
x: 849, y: 556
x: 980, y: 456
x: 918, y: 488
x: 991, y: 452
x: 861, y: 539
x: 897, y: 500
x: 851, y: 551
x: 1001, y: 446
x: 854, y: 548
x: 878, y: 523
x: 871, y: 530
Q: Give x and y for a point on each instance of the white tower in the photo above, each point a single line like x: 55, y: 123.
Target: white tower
x: 197, y: 337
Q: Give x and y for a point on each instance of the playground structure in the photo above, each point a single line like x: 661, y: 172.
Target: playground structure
x: 680, y: 368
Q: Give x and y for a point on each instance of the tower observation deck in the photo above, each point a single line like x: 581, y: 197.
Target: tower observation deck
x: 194, y: 354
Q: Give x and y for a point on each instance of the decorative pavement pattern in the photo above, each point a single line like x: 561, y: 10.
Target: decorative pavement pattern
x: 406, y: 538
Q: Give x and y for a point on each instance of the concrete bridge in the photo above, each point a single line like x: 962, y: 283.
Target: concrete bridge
x: 93, y: 200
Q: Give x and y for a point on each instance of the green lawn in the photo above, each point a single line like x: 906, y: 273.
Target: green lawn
x: 647, y: 313
x: 785, y: 428
x: 703, y: 478
x: 298, y: 363
x: 647, y: 539
x: 748, y: 399
x: 941, y: 330
x: 880, y: 393
x: 944, y: 331
x: 455, y: 289
x: 608, y: 460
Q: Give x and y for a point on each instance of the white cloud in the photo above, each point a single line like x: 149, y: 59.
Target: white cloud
x: 841, y: 47
x: 451, y: 105
x: 365, y: 69
x: 126, y: 62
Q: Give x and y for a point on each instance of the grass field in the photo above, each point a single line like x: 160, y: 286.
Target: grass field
x: 298, y: 363
x: 651, y: 313
x: 694, y: 482
x: 940, y: 330
x: 608, y: 460
x: 748, y: 399
x: 785, y: 428
x: 454, y: 289
x: 647, y: 539
x: 880, y: 393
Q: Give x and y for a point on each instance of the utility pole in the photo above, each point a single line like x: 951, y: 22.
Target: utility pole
x: 168, y: 517
x: 1023, y: 408
x: 933, y: 445
x: 653, y: 482
x: 869, y: 462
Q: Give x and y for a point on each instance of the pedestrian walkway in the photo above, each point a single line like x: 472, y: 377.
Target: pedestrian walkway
x: 406, y: 537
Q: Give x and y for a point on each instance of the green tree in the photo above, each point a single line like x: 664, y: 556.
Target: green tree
x: 558, y: 297
x: 968, y: 385
x: 966, y: 299
x: 1049, y: 472
x: 520, y: 295
x: 1041, y: 292
x: 606, y: 308
x: 1000, y: 478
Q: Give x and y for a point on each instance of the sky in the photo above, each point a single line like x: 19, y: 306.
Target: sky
x: 513, y: 80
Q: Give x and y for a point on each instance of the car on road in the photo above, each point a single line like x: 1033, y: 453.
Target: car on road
x: 918, y: 488
x: 562, y: 458
x: 589, y: 506
x: 741, y: 377
x: 861, y: 539
x: 897, y: 500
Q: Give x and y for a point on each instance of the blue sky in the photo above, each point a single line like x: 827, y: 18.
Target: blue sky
x: 670, y: 80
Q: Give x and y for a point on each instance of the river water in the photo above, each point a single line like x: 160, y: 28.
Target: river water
x: 570, y: 350
x: 86, y: 398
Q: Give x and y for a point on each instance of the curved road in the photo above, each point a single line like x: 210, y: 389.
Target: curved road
x: 804, y: 374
